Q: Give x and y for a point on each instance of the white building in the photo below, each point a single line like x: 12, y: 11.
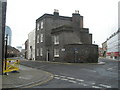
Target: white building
x: 31, y: 45
x: 113, y: 46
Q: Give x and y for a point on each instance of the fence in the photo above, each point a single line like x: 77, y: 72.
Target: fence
x: 11, y: 65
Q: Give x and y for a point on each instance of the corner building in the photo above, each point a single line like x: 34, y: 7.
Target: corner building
x: 55, y: 33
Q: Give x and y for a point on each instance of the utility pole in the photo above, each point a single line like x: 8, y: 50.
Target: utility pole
x: 6, y: 39
x: 3, y: 4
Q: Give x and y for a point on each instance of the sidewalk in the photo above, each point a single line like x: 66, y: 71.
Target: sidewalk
x: 109, y: 59
x: 26, y: 78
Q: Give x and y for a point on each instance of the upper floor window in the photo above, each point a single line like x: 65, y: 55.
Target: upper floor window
x: 38, y: 26
x: 41, y: 37
x: 37, y: 38
x: 56, y: 39
x: 37, y: 51
x: 41, y: 24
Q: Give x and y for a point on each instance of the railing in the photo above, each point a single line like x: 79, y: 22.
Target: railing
x: 11, y: 65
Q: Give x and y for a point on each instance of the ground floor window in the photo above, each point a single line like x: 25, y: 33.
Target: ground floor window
x: 56, y: 52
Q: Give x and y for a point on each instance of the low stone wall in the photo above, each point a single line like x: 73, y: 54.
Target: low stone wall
x: 76, y: 53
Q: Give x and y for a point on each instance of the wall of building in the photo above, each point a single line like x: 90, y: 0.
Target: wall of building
x: 48, y: 24
x: 81, y: 53
x: 31, y: 45
x: 113, y: 50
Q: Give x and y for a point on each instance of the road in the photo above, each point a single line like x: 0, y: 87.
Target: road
x: 79, y: 75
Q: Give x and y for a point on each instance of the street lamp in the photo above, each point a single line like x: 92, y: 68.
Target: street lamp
x: 6, y: 39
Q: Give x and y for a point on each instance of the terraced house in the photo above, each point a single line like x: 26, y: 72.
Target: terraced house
x: 64, y: 39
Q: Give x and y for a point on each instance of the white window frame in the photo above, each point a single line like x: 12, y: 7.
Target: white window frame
x: 38, y: 26
x: 41, y: 25
x: 37, y: 51
x: 38, y: 38
x: 56, y: 52
x: 41, y: 51
x: 41, y: 37
x: 56, y: 39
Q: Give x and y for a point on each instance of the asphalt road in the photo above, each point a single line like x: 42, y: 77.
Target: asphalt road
x: 79, y: 75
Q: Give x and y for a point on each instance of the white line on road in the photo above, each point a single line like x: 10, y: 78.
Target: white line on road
x: 62, y: 76
x: 70, y: 78
x: 72, y: 81
x: 80, y: 80
x: 95, y: 87
x: 106, y: 86
x: 83, y: 84
x: 64, y: 79
x: 56, y: 77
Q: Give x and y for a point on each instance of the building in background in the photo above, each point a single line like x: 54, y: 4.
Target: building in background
x: 8, y: 32
x: 26, y: 49
x: 55, y: 33
x: 31, y: 45
x: 104, y: 47
x: 19, y: 48
x: 113, y: 46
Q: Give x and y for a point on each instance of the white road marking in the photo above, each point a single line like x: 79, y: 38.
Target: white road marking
x: 62, y: 76
x: 109, y: 68
x: 80, y: 80
x: 56, y: 77
x: 64, y: 79
x: 106, y: 86
x: 95, y: 87
x: 70, y: 78
x: 92, y: 83
x: 72, y: 81
x: 83, y: 84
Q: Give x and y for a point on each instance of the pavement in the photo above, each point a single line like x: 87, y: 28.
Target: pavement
x: 27, y: 77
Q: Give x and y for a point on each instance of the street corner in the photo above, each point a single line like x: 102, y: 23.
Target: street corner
x: 26, y: 78
x: 46, y: 78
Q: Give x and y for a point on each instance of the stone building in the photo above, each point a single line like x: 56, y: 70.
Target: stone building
x: 31, y: 45
x: 54, y: 34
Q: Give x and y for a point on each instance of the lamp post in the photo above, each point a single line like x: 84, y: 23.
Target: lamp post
x: 6, y: 39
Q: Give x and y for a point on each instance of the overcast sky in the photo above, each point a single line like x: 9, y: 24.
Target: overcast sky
x: 100, y: 16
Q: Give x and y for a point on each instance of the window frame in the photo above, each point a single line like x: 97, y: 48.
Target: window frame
x: 37, y: 51
x: 56, y: 52
x: 56, y: 39
x: 38, y: 26
x: 41, y: 25
x: 41, y: 37
x: 41, y: 51
x: 38, y: 36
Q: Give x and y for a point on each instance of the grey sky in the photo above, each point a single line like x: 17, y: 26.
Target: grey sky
x: 100, y: 16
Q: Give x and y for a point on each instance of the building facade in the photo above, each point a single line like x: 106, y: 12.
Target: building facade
x: 31, y: 45
x: 104, y: 47
x: 26, y: 49
x: 113, y: 46
x: 54, y: 32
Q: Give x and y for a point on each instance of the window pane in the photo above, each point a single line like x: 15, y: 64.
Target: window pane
x: 41, y: 37
x: 37, y: 38
x: 38, y: 26
x: 41, y: 24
